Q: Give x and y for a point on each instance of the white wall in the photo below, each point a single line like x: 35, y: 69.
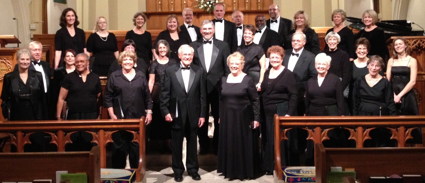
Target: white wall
x: 416, y: 13
x: 8, y: 25
x: 54, y: 11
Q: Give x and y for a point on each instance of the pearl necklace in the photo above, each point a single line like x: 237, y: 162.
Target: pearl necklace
x: 104, y: 38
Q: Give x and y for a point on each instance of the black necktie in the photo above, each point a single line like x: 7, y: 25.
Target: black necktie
x: 239, y: 27
x: 258, y: 31
x: 207, y: 42
x: 218, y: 20
x: 273, y: 21
x: 36, y: 63
x: 190, y: 26
x: 185, y: 68
x: 295, y: 54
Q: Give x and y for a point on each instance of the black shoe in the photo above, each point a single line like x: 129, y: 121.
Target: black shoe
x: 195, y: 176
x: 178, y: 178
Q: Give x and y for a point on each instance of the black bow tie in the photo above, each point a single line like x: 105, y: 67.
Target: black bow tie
x: 36, y: 63
x: 295, y: 54
x: 273, y: 21
x: 239, y: 27
x: 185, y: 68
x: 207, y: 42
x: 258, y: 31
x: 190, y: 26
x: 218, y: 20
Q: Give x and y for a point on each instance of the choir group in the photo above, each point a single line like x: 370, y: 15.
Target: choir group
x: 240, y: 75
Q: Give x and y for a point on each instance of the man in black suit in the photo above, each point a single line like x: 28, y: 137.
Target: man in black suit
x: 211, y: 55
x: 301, y: 62
x: 279, y: 24
x: 224, y: 30
x: 183, y: 102
x: 189, y: 30
x: 36, y: 49
x: 264, y: 36
x: 237, y: 18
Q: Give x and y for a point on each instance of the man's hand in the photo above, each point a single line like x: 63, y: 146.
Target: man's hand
x: 201, y: 122
x: 168, y: 118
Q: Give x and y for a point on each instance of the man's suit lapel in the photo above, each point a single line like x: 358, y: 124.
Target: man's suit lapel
x: 180, y: 79
x: 300, y: 61
x: 191, y: 79
x: 286, y: 58
x: 263, y: 38
x: 184, y: 30
x: 201, y: 55
x: 281, y: 26
x: 214, y: 55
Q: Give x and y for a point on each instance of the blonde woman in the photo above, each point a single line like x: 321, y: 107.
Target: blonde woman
x: 301, y: 24
x: 102, y: 45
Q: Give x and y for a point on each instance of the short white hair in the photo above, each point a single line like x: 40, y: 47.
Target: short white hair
x: 323, y: 57
x: 184, y: 47
x: 333, y: 34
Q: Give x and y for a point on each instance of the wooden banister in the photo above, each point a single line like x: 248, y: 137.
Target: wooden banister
x: 359, y: 127
x: 101, y: 131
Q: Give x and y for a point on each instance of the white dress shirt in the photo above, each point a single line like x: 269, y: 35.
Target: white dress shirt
x: 239, y: 33
x: 192, y: 32
x: 219, y: 30
x: 258, y: 36
x: 294, y: 59
x: 39, y: 68
x: 208, y: 49
x: 275, y: 26
x: 185, y: 76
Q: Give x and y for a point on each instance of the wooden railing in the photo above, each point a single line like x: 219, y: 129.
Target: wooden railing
x: 359, y: 127
x: 60, y: 131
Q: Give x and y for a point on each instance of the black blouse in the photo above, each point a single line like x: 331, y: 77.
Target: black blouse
x: 174, y: 44
x: 143, y: 44
x: 341, y: 66
x: 82, y: 96
x: 282, y: 88
x: 129, y: 99
x: 64, y: 41
x: 347, y: 41
x: 377, y: 41
x: 329, y: 93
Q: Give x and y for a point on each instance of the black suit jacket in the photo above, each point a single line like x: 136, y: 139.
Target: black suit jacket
x: 304, y: 68
x: 269, y: 38
x: 218, y: 67
x: 191, y: 105
x: 186, y: 34
x: 284, y: 28
x: 230, y: 35
x: 47, y: 72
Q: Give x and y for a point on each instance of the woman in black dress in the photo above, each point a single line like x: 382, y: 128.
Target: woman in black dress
x: 359, y: 66
x: 60, y: 74
x: 159, y: 129
x: 102, y: 45
x: 126, y: 97
x: 255, y: 59
x: 23, y: 91
x: 347, y: 36
x: 373, y: 96
x: 402, y: 71
x: 324, y: 91
x: 374, y: 34
x: 279, y: 96
x: 69, y: 36
x: 239, y: 117
x: 173, y: 36
x: 301, y: 24
x: 141, y: 37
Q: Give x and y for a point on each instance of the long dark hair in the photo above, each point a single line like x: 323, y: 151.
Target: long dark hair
x: 62, y: 19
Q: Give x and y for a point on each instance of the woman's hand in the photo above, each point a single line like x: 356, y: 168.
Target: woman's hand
x: 397, y: 99
x: 113, y: 116
x: 148, y: 118
x: 258, y: 86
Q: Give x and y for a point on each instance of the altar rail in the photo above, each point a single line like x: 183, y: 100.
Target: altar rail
x: 61, y: 131
x: 359, y: 127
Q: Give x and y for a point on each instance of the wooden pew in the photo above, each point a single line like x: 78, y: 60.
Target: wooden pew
x: 359, y: 127
x: 369, y: 162
x: 61, y: 131
x: 43, y: 165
